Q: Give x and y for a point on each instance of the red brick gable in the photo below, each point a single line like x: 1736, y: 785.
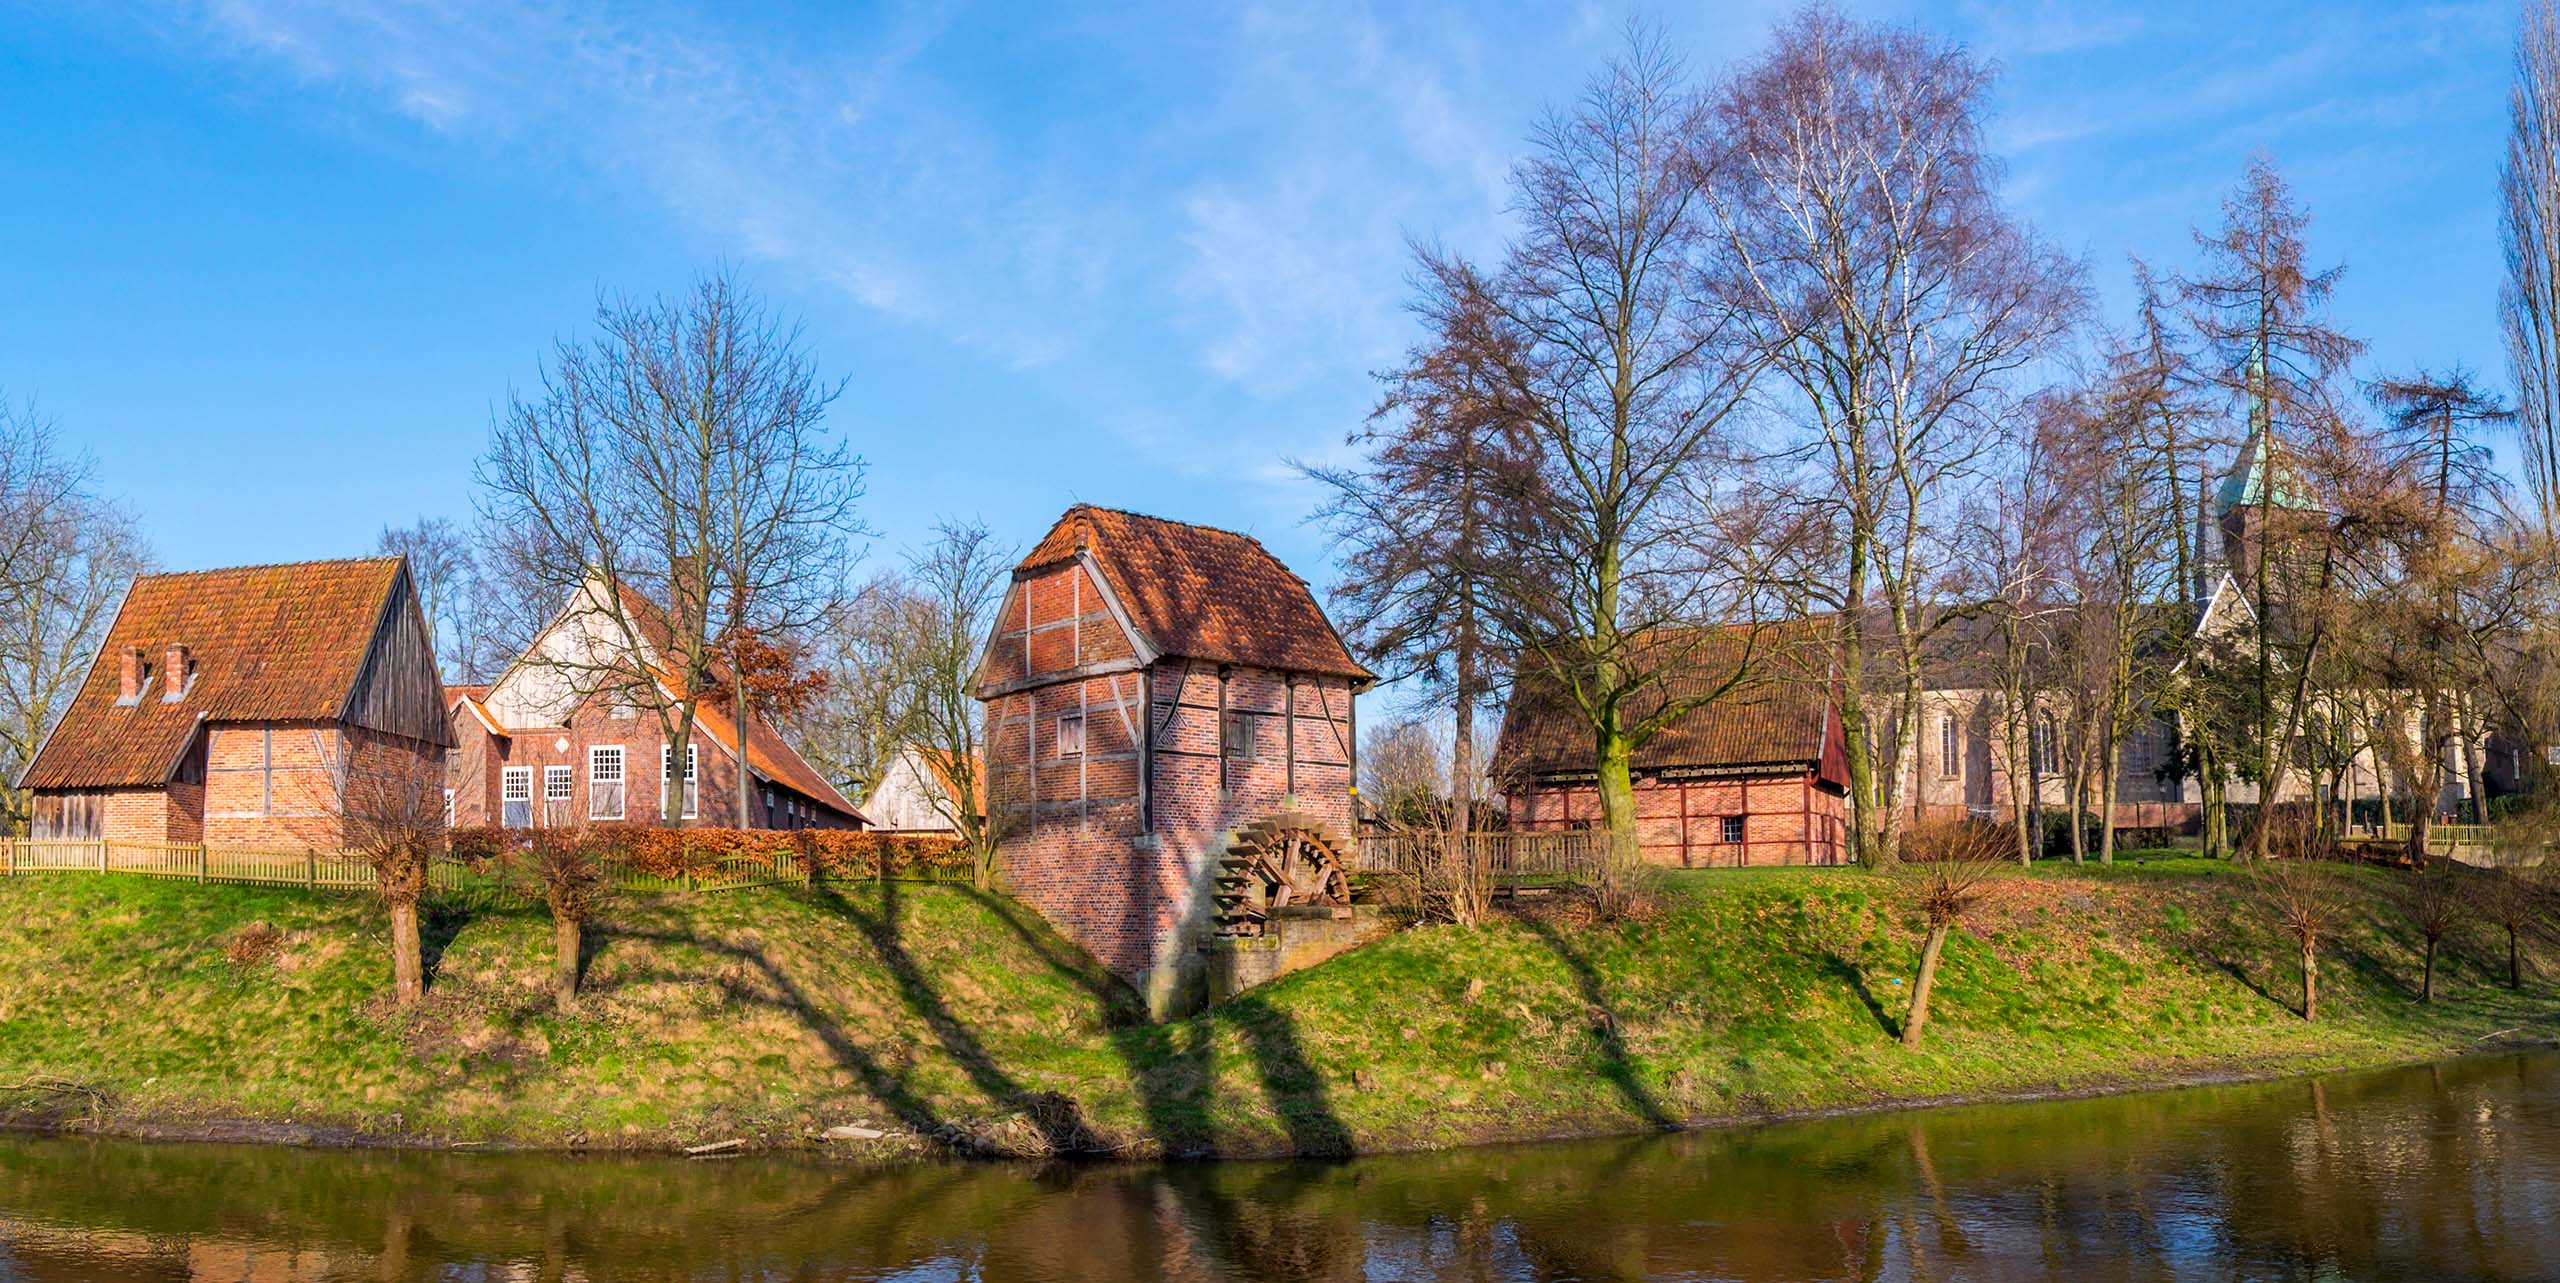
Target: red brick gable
x: 268, y: 643
x: 1197, y: 592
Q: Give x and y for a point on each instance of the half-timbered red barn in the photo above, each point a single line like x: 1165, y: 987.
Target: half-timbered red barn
x: 1161, y: 696
x: 1755, y: 775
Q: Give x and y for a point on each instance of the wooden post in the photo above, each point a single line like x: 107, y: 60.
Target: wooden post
x: 102, y: 855
x: 204, y: 863
x: 310, y: 867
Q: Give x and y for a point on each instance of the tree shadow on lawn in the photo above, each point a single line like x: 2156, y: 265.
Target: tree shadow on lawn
x: 1170, y: 1065
x: 1842, y: 970
x: 1616, y: 1065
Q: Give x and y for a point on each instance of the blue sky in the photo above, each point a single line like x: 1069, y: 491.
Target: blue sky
x: 275, y: 263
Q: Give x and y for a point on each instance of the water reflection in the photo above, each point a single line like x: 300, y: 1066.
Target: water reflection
x: 2449, y: 1172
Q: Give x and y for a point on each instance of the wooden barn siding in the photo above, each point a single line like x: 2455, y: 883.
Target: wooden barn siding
x: 397, y: 689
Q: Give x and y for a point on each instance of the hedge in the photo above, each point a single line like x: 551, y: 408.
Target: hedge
x: 668, y: 853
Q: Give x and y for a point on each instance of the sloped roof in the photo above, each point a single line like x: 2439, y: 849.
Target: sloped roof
x: 1202, y: 593
x: 268, y: 643
x: 771, y: 756
x: 767, y: 751
x: 1776, y: 716
x: 2245, y: 484
x: 474, y: 698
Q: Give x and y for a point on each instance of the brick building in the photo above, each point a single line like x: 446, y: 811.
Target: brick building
x: 1151, y: 687
x: 1757, y: 776
x: 253, y: 706
x: 561, y: 740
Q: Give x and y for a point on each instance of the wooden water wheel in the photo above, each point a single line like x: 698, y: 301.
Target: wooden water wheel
x: 1284, y: 860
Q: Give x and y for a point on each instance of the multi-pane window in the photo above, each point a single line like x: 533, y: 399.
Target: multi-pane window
x: 515, y: 797
x: 1071, y: 735
x: 558, y: 788
x: 1732, y: 828
x: 667, y: 770
x: 1948, y: 748
x: 448, y: 808
x: 604, y: 782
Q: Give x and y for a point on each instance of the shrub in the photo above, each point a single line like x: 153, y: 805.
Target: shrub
x: 668, y: 853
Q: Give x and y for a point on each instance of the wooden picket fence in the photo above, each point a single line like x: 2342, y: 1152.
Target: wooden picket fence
x: 1514, y: 859
x: 345, y: 871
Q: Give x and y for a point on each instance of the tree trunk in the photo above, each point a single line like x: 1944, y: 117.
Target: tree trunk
x: 2427, y: 978
x: 2111, y: 767
x: 1618, y: 811
x: 2474, y: 762
x: 1919, y: 1014
x: 2515, y: 961
x: 564, y: 965
x: 408, y: 958
x: 2311, y: 979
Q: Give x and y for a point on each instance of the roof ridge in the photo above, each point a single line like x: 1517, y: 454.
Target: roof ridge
x: 269, y: 565
x: 1170, y: 521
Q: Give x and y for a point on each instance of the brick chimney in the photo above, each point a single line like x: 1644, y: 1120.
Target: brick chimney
x: 175, y: 677
x: 129, y: 687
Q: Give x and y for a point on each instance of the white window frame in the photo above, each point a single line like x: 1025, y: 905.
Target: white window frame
x: 692, y: 806
x: 1733, y: 829
x: 515, y: 784
x: 619, y: 777
x: 559, y: 784
x: 1949, y: 746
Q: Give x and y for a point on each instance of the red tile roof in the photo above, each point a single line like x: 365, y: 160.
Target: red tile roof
x: 1202, y: 593
x: 269, y: 643
x: 1777, y: 716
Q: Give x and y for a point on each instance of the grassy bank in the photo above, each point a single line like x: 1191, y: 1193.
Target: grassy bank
x: 949, y: 1019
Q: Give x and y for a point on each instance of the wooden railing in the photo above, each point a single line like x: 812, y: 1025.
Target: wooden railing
x: 1510, y: 858
x: 346, y: 871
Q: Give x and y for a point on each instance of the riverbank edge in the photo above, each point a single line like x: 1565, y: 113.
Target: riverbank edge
x: 905, y: 1146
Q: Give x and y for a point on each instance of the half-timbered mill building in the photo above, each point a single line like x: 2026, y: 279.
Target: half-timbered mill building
x: 1756, y: 776
x: 559, y: 740
x: 255, y: 706
x: 1156, y: 694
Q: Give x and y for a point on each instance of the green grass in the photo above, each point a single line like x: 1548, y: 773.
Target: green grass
x: 963, y: 1020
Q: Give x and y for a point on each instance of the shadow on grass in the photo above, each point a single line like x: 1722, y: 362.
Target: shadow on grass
x: 1616, y: 1066
x: 1840, y: 969
x: 1171, y: 1065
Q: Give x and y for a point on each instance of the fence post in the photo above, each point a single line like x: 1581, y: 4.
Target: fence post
x: 310, y: 867
x: 204, y: 863
x: 102, y: 855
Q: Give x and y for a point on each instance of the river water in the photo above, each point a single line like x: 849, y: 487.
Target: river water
x: 2441, y: 1172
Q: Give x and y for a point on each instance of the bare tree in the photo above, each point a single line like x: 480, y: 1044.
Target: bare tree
x: 53, y: 625
x: 445, y: 567
x: 2529, y: 224
x: 871, y: 652
x: 1846, y: 172
x: 2259, y: 311
x: 674, y: 480
x: 2298, y: 892
x: 390, y: 805
x: 573, y: 881
x: 2436, y: 898
x: 2520, y: 892
x: 1415, y: 520
x: 1946, y: 863
x: 1621, y: 375
x: 962, y: 572
x: 1405, y: 773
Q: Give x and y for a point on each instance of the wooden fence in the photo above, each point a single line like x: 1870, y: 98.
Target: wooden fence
x: 1540, y: 858
x: 446, y: 875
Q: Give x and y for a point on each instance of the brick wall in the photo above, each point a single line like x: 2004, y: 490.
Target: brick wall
x: 1786, y: 819
x: 477, y: 772
x: 1074, y: 826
